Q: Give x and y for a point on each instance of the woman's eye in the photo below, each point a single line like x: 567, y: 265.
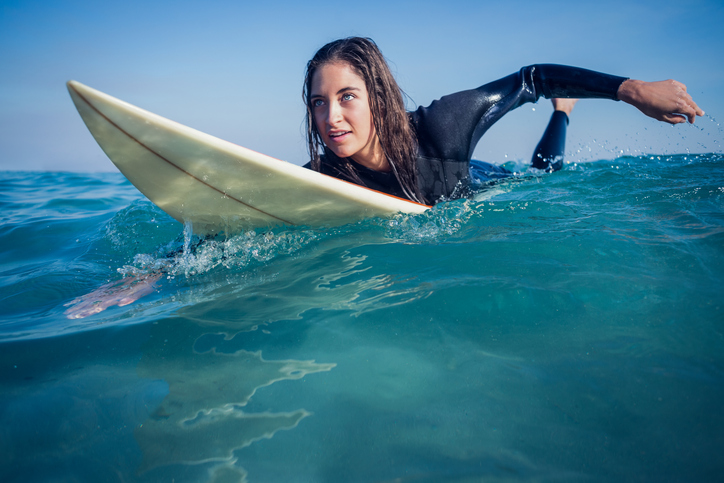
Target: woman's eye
x: 317, y: 103
x: 347, y: 97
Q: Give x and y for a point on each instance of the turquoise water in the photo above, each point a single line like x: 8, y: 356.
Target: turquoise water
x: 565, y: 327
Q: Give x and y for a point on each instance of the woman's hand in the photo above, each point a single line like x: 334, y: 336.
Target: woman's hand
x: 119, y: 293
x: 665, y: 101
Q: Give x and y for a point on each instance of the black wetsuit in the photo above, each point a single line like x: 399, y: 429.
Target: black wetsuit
x: 449, y: 129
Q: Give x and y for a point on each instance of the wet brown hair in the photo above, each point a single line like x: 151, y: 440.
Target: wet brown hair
x: 390, y: 118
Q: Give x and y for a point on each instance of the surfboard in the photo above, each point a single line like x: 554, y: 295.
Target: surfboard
x: 218, y: 186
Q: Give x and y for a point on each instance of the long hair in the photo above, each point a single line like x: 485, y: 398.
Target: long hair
x: 391, y: 121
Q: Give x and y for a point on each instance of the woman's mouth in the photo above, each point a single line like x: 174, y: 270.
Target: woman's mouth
x: 338, y: 135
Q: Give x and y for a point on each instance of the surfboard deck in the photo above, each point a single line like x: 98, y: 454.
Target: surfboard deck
x: 216, y: 185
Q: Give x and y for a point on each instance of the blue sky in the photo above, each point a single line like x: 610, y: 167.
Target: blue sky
x: 234, y: 69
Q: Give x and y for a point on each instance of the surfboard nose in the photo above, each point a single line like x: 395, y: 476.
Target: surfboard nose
x: 73, y: 85
x: 74, y: 89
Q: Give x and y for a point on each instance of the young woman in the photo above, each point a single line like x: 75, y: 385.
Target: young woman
x: 358, y: 129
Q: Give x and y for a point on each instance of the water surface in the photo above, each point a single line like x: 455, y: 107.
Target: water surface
x: 561, y: 327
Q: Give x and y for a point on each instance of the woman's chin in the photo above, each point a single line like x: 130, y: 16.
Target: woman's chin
x: 341, y: 153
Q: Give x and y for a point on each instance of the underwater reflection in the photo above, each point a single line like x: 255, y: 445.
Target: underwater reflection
x: 202, y: 419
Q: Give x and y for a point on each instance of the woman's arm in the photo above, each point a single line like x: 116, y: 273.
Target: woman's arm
x: 450, y: 127
x: 665, y: 101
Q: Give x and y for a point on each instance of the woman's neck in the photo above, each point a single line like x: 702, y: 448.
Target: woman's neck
x: 374, y: 158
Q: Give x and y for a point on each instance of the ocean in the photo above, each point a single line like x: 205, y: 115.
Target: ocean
x: 555, y: 327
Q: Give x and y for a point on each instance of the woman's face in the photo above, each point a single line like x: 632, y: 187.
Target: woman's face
x: 341, y: 109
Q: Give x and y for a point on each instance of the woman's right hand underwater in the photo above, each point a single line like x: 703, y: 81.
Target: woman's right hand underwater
x: 122, y: 292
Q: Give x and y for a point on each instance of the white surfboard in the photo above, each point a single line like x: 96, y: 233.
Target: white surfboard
x: 216, y: 185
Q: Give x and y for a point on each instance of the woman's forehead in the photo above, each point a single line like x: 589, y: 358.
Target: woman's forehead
x: 335, y: 76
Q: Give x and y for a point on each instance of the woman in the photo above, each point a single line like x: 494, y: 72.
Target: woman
x: 358, y: 129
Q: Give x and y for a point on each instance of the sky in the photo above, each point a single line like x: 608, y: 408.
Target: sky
x: 234, y: 69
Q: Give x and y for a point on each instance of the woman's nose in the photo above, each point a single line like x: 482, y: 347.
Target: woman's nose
x: 334, y: 113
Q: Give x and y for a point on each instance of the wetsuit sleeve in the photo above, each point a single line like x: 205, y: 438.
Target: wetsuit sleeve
x: 548, y: 154
x: 450, y: 128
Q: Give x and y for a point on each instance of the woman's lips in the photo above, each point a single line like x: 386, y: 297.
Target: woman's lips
x: 338, y: 136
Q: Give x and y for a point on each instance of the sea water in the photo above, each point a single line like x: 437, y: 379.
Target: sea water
x: 555, y: 327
